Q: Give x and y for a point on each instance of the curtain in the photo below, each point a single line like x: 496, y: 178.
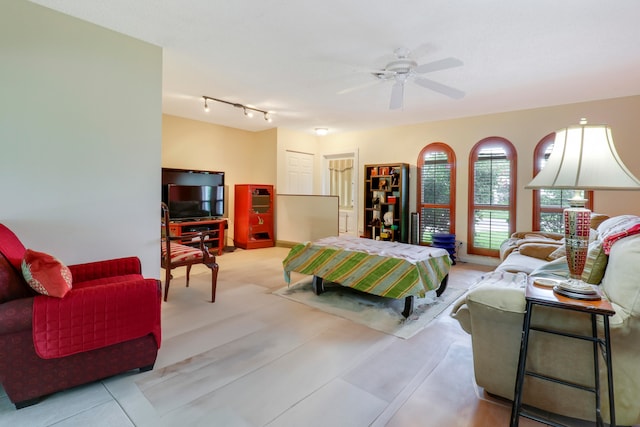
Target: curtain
x: 341, y: 181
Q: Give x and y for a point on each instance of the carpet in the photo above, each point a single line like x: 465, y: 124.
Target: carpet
x: 379, y: 313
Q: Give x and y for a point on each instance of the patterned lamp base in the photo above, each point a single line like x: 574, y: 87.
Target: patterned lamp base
x: 577, y: 224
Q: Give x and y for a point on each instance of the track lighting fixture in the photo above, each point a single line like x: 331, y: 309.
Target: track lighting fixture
x: 248, y: 111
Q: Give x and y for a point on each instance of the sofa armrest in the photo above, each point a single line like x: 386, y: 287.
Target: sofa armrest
x: 537, y: 235
x: 460, y: 312
x: 95, y: 317
x: 107, y: 268
x: 15, y: 316
x: 498, y: 298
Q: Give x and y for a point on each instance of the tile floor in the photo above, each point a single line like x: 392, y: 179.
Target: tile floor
x: 255, y: 359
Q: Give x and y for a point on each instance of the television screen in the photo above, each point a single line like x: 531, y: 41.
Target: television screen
x: 195, y: 201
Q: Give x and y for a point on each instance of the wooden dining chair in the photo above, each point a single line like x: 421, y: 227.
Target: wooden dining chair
x: 185, y: 251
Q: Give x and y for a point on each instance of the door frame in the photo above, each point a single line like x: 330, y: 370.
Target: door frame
x: 348, y: 153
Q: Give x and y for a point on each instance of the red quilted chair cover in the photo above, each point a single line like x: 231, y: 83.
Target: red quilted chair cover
x: 110, y: 303
x: 93, y: 317
x: 11, y: 247
x: 107, y: 324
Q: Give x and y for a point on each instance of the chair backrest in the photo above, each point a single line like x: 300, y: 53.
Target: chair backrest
x: 12, y: 284
x: 11, y: 247
x: 166, y: 233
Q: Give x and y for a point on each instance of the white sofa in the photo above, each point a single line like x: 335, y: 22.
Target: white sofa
x: 492, y: 312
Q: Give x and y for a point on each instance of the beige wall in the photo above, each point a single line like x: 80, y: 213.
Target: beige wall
x: 244, y: 157
x: 79, y: 137
x: 249, y: 157
x: 523, y: 128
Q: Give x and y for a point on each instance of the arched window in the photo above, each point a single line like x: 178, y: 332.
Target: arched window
x: 436, y: 191
x: 548, y: 204
x: 492, y: 195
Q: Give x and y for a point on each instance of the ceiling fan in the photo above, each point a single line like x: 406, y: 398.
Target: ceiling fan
x: 404, y: 68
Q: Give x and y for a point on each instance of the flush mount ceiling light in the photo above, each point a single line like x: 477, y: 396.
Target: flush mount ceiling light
x: 321, y: 131
x: 247, y: 111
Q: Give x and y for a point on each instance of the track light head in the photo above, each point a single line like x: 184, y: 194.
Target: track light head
x: 247, y: 112
x: 206, y: 106
x: 267, y: 117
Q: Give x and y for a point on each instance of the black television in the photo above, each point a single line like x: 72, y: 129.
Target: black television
x: 194, y: 202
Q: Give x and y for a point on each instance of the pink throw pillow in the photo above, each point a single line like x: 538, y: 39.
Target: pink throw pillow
x: 46, y: 274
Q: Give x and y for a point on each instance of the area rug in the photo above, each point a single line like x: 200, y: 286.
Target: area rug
x: 379, y: 313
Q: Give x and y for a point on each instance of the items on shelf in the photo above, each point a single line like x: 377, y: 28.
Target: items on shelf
x: 387, y: 202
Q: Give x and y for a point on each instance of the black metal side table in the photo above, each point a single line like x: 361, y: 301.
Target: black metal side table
x: 545, y: 296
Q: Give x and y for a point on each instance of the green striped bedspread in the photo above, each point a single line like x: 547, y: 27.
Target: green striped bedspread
x: 385, y: 276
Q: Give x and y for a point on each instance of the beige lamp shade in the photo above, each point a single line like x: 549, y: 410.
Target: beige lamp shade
x: 584, y: 157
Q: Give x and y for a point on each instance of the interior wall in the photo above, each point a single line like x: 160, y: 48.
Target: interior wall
x: 304, y: 218
x: 523, y: 128
x: 80, y: 121
x: 245, y: 157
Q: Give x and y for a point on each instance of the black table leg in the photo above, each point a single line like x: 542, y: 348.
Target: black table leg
x: 408, y: 306
x: 522, y: 361
x: 607, y: 350
x: 443, y: 285
x: 596, y: 368
x: 318, y: 285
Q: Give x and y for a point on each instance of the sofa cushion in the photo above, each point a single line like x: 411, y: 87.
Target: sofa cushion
x: 616, y: 228
x: 106, y: 280
x: 559, y: 252
x: 595, y: 264
x: 538, y: 250
x: 597, y: 219
x: 594, y: 267
x: 46, y: 274
x: 620, y: 281
x: 516, y: 262
x: 558, y: 268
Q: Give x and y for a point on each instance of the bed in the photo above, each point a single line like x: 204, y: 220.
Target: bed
x: 387, y: 269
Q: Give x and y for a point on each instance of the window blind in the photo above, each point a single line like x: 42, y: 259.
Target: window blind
x: 492, y: 173
x: 435, y: 210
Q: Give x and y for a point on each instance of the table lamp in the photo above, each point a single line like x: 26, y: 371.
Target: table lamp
x: 584, y: 157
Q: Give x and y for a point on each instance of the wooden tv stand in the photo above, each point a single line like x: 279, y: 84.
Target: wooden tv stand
x: 214, y: 228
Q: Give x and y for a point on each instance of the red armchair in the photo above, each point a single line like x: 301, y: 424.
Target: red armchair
x: 108, y: 323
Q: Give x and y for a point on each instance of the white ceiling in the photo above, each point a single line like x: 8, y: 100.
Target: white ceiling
x: 293, y: 57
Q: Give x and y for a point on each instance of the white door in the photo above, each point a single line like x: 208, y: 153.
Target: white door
x: 347, y: 221
x: 299, y: 173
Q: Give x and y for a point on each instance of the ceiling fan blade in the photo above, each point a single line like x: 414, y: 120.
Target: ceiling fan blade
x: 442, y: 64
x: 439, y: 87
x: 397, y: 95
